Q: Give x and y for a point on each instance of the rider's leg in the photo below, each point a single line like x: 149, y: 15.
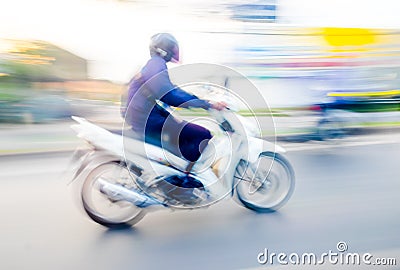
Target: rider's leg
x: 183, y: 139
x: 207, y: 157
x: 193, y: 139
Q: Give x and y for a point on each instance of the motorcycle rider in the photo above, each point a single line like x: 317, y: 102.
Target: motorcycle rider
x: 150, y: 119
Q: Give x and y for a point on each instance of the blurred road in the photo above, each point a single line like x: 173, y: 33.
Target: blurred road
x: 346, y: 191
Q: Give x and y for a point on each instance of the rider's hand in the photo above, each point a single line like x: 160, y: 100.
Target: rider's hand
x: 219, y: 106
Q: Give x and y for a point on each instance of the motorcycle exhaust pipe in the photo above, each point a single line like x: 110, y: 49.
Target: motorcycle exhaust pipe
x: 119, y: 193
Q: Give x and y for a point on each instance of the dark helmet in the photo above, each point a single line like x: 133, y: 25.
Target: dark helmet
x: 166, y: 46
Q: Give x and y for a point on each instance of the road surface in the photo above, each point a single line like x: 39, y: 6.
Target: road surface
x: 346, y: 191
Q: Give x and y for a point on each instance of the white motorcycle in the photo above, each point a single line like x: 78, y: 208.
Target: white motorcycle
x: 120, y: 178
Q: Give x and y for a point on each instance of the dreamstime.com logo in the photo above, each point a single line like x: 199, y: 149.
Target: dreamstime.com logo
x: 338, y: 257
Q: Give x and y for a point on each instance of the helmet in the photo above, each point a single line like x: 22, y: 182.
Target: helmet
x: 164, y: 45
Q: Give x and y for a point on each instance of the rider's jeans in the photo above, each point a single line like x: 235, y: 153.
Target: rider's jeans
x: 182, y: 138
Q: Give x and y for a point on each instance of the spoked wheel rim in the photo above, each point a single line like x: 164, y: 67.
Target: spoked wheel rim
x: 265, y: 185
x: 99, y: 206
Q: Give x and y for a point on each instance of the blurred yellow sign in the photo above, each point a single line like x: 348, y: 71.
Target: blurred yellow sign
x: 349, y: 36
x: 365, y: 93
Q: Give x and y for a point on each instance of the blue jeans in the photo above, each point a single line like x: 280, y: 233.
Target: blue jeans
x: 183, y: 139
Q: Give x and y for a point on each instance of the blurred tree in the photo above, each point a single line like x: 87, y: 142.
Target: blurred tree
x: 22, y: 62
x: 25, y: 62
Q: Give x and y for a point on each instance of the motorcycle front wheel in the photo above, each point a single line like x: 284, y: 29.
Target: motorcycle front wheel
x: 100, y: 207
x: 265, y: 185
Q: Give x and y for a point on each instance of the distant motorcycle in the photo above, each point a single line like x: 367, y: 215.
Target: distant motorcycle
x: 120, y: 178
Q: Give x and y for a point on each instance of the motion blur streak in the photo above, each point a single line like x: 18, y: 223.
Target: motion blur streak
x: 329, y: 70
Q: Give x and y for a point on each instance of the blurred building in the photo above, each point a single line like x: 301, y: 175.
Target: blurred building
x: 66, y: 65
x: 33, y: 60
x: 41, y: 82
x: 40, y: 65
x: 86, y: 89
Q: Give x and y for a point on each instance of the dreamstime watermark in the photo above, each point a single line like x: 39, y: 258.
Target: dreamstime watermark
x: 338, y: 257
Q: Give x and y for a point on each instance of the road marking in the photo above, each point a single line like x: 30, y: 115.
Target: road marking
x: 337, y: 144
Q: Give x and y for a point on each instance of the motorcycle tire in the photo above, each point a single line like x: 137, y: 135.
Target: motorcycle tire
x: 112, y: 214
x: 269, y: 191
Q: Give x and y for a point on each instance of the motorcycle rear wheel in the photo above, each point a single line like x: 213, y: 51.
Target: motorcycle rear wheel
x: 265, y: 185
x: 99, y: 207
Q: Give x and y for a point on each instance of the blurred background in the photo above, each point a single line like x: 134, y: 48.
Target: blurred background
x: 313, y: 63
x: 329, y: 71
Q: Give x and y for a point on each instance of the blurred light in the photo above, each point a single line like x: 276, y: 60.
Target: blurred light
x: 365, y: 94
x: 349, y: 36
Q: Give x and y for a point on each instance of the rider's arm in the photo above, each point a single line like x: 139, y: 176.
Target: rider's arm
x: 179, y: 98
x: 162, y: 88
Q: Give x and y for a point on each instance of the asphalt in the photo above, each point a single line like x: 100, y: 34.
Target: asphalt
x: 344, y: 193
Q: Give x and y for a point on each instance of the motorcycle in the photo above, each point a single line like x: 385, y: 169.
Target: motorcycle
x: 119, y: 178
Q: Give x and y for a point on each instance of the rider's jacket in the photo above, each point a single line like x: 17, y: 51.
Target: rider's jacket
x: 151, y: 84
